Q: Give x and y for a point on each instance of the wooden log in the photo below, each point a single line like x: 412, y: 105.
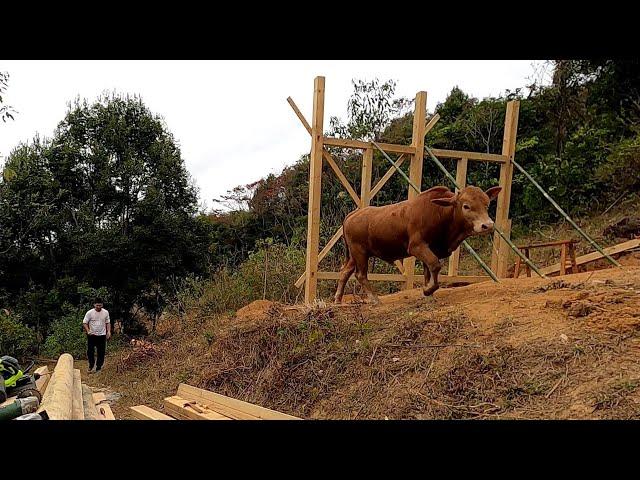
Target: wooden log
x: 183, y: 409
x: 78, y: 408
x: 231, y: 407
x: 89, y: 404
x: 592, y: 257
x: 43, y: 381
x: 58, y: 398
x: 142, y: 412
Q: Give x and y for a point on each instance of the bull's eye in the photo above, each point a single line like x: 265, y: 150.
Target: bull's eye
x: 466, y: 207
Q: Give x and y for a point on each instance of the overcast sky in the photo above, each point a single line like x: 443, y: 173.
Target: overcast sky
x: 231, y: 118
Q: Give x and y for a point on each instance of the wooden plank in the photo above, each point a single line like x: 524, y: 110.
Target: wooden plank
x: 415, y: 169
x: 216, y: 401
x: 89, y: 404
x: 58, y: 397
x: 484, y: 157
x: 180, y: 406
x: 315, y: 188
x: 500, y: 259
x: 349, y: 143
x: 365, y: 183
x: 385, y: 178
x: 78, y: 409
x: 549, y: 244
x: 99, y: 397
x: 563, y: 259
x: 105, y: 411
x: 43, y: 381
x: 343, y: 180
x: 142, y: 412
x: 419, y: 279
x: 461, y: 180
x: 592, y: 257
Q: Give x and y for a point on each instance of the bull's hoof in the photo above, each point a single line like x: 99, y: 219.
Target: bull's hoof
x: 429, y: 291
x: 337, y: 300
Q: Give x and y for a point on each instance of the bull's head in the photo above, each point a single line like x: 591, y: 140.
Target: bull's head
x: 473, y: 207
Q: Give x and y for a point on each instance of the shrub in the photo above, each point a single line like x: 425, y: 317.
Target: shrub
x: 16, y: 339
x: 67, y: 335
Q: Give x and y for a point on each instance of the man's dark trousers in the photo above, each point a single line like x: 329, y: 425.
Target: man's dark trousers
x: 93, y: 342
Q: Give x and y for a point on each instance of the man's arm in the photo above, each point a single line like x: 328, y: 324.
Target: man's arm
x: 108, y: 321
x: 85, y: 324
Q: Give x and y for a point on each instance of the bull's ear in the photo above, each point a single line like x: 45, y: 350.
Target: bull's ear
x: 445, y: 202
x: 493, y: 192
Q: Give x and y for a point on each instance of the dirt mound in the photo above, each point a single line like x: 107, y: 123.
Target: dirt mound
x: 564, y: 347
x: 256, y: 310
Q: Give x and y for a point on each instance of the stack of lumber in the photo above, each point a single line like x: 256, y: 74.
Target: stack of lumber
x: 192, y: 403
x: 65, y: 397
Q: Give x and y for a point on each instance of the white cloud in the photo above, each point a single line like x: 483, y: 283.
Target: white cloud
x: 231, y: 118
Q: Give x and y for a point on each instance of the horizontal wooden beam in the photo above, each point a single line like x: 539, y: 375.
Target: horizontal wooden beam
x: 348, y: 143
x: 394, y: 277
x: 485, y: 157
x: 547, y: 244
x: 591, y: 257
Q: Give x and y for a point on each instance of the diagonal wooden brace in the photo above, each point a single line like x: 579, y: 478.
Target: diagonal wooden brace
x: 327, y: 156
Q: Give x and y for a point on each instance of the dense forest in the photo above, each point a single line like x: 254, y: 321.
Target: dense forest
x: 106, y: 206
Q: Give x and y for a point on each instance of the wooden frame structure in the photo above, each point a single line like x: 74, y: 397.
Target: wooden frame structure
x: 415, y: 153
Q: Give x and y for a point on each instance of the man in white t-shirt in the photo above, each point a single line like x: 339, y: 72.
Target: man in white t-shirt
x: 97, y: 326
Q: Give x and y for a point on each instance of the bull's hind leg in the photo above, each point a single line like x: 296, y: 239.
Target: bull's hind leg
x: 432, y: 267
x: 362, y: 266
x: 345, y: 273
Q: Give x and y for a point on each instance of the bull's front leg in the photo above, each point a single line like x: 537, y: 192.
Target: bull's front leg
x: 432, y: 266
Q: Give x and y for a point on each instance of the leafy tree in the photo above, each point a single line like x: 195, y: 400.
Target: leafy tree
x: 106, y: 203
x: 6, y: 111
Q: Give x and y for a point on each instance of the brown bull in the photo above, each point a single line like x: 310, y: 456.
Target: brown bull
x: 429, y: 227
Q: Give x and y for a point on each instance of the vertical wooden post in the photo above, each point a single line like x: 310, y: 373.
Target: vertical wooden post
x: 461, y: 180
x: 415, y: 169
x: 315, y: 176
x: 500, y: 259
x: 563, y: 259
x: 367, y: 169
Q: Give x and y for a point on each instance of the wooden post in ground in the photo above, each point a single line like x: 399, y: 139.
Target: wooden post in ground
x: 415, y: 169
x: 500, y: 259
x: 315, y: 176
x: 365, y: 187
x: 461, y: 180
